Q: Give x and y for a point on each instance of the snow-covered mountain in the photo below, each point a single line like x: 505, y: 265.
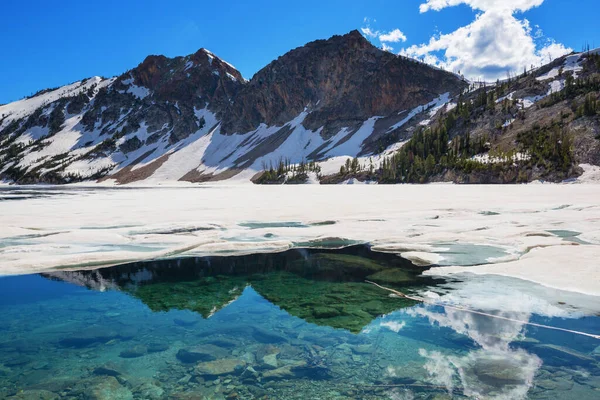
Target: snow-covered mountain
x: 196, y: 119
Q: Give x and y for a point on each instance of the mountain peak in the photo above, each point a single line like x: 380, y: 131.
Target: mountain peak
x: 354, y: 35
x: 343, y: 79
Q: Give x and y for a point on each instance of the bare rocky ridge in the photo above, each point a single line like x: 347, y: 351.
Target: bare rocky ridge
x: 342, y: 81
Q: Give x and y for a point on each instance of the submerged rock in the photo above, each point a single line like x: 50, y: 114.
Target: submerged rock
x: 106, y: 388
x: 134, y: 352
x: 561, y: 356
x: 194, y: 395
x: 270, y: 361
x: 108, y: 369
x: 264, y: 336
x: 19, y: 345
x: 5, y: 371
x: 17, y: 361
x: 149, y: 391
x: 249, y: 374
x: 362, y: 349
x: 157, y: 347
x: 90, y: 336
x: 286, y: 372
x: 279, y: 373
x: 265, y: 350
x: 551, y: 384
x: 225, y: 366
x: 186, y: 322
x: 35, y: 395
x: 40, y: 364
x: 223, y: 342
x: 203, y: 352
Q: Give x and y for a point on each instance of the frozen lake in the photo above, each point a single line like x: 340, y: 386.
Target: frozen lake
x: 528, y: 231
x: 176, y: 292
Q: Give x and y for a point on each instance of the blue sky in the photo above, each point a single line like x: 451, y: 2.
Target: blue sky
x: 44, y: 45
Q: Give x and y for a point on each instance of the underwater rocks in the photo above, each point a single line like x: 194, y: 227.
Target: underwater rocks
x: 295, y: 370
x: 267, y: 350
x: 19, y: 345
x: 149, y: 391
x: 225, y: 366
x: 134, y: 352
x: 497, y: 374
x: 362, y: 349
x: 108, y: 369
x: 223, y: 342
x: 264, y: 336
x: 270, y: 361
x: 157, y: 347
x: 17, y: 361
x: 186, y: 322
x: 203, y: 352
x: 561, y: 356
x: 4, y: 371
x: 35, y: 395
x: 106, y: 388
x: 188, y: 396
x: 96, y: 334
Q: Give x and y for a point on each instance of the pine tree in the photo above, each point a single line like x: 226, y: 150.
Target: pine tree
x: 589, y: 106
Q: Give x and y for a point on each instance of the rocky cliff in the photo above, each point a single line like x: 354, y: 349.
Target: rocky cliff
x: 342, y: 81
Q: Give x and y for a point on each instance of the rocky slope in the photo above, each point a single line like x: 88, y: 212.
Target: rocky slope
x: 541, y: 125
x: 342, y: 81
x: 195, y: 118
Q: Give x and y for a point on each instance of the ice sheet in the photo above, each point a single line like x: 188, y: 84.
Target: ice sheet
x: 443, y: 224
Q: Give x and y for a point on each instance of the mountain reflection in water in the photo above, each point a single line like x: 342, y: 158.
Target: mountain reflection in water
x: 324, y: 287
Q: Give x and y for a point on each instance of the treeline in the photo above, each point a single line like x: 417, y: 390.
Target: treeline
x: 549, y: 147
x: 353, y: 166
x: 574, y: 88
x: 287, y: 172
x: 430, y: 152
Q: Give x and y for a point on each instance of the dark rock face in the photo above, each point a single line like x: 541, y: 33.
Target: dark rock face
x: 342, y: 80
x: 197, y: 79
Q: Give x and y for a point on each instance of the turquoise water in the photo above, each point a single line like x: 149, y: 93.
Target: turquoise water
x: 293, y: 325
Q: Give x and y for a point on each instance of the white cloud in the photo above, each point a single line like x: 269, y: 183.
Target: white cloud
x: 494, y: 44
x: 393, y: 326
x: 483, y: 5
x: 475, y: 369
x: 387, y: 47
x: 394, y: 36
x: 368, y: 32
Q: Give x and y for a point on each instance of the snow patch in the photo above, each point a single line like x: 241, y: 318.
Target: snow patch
x: 435, y: 105
x: 140, y: 92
